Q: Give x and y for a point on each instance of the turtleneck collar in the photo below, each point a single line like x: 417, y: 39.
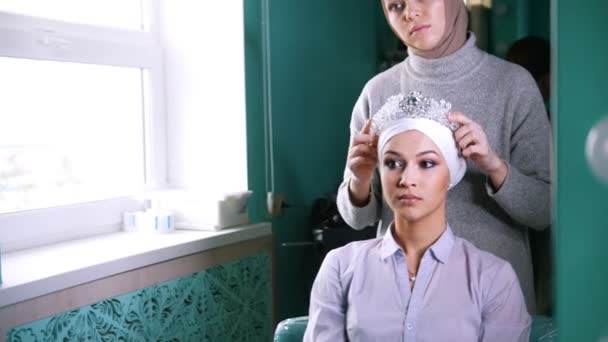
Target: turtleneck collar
x: 448, y: 68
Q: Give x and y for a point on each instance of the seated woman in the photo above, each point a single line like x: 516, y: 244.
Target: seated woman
x: 419, y: 282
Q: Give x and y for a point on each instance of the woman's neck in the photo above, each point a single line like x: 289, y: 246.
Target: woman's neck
x: 415, y: 237
x: 445, y: 69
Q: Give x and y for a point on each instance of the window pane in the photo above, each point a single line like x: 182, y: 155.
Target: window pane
x: 125, y: 14
x: 69, y: 133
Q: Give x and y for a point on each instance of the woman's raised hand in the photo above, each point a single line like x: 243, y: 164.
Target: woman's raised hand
x: 362, y: 161
x: 473, y: 144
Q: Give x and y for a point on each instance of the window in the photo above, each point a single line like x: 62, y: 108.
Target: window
x: 121, y: 14
x: 106, y: 99
x: 56, y: 150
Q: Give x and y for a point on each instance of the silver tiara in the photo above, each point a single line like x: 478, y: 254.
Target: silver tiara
x: 415, y: 105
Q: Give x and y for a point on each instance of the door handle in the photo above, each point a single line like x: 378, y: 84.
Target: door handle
x: 596, y: 149
x: 276, y: 204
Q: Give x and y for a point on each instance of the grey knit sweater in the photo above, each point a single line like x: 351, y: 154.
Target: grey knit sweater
x: 504, y: 99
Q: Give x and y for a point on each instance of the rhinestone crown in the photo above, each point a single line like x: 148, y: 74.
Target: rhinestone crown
x: 415, y: 105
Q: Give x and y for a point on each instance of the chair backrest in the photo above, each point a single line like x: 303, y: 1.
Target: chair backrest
x: 291, y: 330
x: 542, y: 330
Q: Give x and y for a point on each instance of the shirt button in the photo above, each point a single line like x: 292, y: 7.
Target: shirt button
x: 409, y: 326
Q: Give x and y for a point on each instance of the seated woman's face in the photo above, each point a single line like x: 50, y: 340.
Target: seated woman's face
x: 415, y: 177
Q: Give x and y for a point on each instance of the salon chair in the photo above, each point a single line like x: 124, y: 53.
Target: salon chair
x: 292, y: 330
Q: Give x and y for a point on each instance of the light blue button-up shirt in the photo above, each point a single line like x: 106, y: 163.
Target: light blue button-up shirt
x: 461, y: 293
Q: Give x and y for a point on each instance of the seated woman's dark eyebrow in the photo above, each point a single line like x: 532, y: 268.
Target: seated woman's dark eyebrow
x: 392, y: 152
x: 426, y: 152
x: 417, y: 155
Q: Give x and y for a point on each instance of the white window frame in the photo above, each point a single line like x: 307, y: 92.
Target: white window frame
x: 45, y: 39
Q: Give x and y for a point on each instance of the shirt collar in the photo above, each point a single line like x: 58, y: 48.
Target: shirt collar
x: 388, y: 246
x: 440, y: 250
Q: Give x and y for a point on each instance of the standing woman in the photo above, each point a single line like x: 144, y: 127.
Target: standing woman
x: 504, y: 134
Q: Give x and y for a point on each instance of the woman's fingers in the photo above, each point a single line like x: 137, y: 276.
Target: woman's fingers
x: 473, y: 143
x: 365, y: 139
x: 468, y: 134
x: 471, y: 150
x: 362, y: 155
x: 364, y: 136
x: 359, y: 162
x: 462, y: 131
x: 366, y: 128
x: 458, y: 117
x: 363, y: 150
x: 467, y: 140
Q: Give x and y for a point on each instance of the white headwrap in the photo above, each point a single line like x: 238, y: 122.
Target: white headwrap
x: 415, y: 112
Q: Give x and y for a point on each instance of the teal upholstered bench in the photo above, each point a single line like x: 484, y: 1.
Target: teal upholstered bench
x: 292, y: 330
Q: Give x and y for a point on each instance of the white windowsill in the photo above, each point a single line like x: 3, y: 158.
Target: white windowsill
x: 38, y: 271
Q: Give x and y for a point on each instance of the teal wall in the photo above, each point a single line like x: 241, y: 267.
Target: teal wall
x: 511, y: 20
x: 506, y: 21
x: 580, y: 102
x: 539, y: 22
x: 231, y: 302
x: 254, y: 79
x: 322, y: 54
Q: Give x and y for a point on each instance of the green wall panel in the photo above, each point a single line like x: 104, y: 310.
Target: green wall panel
x: 509, y: 22
x: 579, y: 101
x: 254, y: 81
x: 231, y: 302
x: 322, y: 53
x: 539, y: 18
